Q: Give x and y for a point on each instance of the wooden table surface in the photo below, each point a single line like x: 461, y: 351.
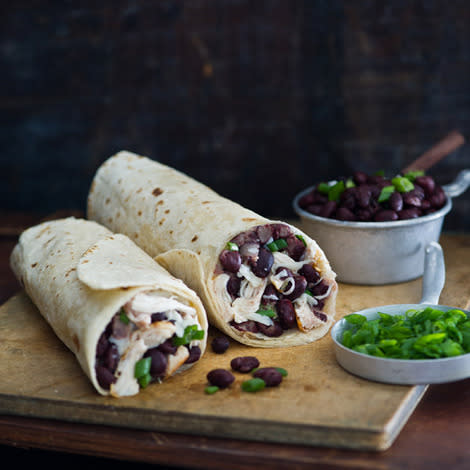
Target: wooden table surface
x: 435, y: 437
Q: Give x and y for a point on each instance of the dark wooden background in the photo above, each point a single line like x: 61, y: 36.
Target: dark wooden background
x: 257, y: 99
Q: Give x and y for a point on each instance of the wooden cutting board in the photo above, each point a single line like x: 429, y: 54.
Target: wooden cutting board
x: 317, y: 404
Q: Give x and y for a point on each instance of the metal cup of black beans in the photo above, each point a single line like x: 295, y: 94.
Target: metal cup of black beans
x: 374, y: 228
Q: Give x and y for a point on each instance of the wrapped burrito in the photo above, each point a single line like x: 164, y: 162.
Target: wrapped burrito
x: 264, y: 283
x: 128, y: 321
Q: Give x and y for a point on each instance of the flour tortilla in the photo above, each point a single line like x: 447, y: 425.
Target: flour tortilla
x: 185, y: 225
x: 79, y: 274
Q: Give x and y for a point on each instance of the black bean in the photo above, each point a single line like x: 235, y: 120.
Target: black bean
x: 408, y: 213
x: 360, y: 177
x: 306, y: 200
x: 250, y: 326
x: 265, y: 232
x: 280, y: 231
x: 385, y: 216
x: 244, y: 363
x: 328, y: 209
x: 364, y: 215
x: 220, y: 344
x: 167, y: 347
x: 270, y: 375
x: 220, y: 377
x: 396, y: 201
x: 102, y: 344
x: 427, y: 183
x: 104, y: 377
x: 263, y: 265
x: 411, y: 199
x: 320, y: 315
x: 343, y: 213
x: 363, y: 195
x: 230, y: 260
x: 286, y: 313
x: 309, y: 273
x: 320, y: 289
x: 111, y: 357
x: 233, y: 286
x: 159, y: 316
x: 159, y: 362
x: 299, y: 288
x: 194, y: 354
x: 272, y: 331
x: 295, y: 247
x: 438, y: 198
x: 314, y: 209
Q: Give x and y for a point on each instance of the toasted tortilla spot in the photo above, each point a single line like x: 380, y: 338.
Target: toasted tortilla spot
x: 34, y: 265
x: 194, y: 238
x: 76, y: 342
x: 157, y: 191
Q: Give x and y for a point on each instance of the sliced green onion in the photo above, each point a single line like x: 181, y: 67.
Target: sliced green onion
x: 277, y: 245
x: 386, y: 193
x: 402, y: 184
x: 412, y: 175
x: 302, y: 239
x: 144, y: 380
x: 142, y: 367
x: 232, y: 246
x: 190, y: 333
x: 323, y: 188
x: 267, y: 312
x: 336, y: 190
x: 253, y: 385
x: 282, y: 371
x: 308, y: 292
x: 350, y: 183
x: 211, y: 389
x: 123, y: 317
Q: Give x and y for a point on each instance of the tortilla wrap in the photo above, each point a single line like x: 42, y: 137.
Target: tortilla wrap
x: 185, y: 225
x: 80, y: 276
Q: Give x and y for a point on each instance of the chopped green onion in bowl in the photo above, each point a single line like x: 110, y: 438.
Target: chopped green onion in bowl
x: 426, y: 333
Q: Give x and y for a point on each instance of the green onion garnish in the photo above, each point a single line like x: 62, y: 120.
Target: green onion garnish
x: 190, y: 333
x: 123, y: 317
x: 269, y: 312
x: 323, y: 188
x: 253, y: 385
x: 336, y: 190
x: 277, y: 245
x: 282, y: 371
x: 144, y: 380
x: 211, y: 389
x: 386, y: 193
x: 232, y: 246
x: 142, y: 367
x: 417, y: 334
x: 412, y: 175
x: 402, y: 184
x: 302, y: 239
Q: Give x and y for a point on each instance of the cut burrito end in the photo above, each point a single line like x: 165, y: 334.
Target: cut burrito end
x: 151, y: 337
x: 272, y: 281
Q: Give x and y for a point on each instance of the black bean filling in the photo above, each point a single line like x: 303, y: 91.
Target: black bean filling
x: 107, y: 354
x: 254, y: 248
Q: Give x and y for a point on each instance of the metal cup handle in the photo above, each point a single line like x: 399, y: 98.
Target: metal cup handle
x: 459, y: 185
x: 434, y: 274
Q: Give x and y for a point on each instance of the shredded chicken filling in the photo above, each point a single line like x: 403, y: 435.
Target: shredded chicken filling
x: 153, y: 326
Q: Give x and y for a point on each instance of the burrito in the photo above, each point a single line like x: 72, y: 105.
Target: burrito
x: 127, y: 320
x: 264, y: 283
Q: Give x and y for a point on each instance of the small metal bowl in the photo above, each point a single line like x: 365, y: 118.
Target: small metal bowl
x: 376, y: 253
x: 406, y: 371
